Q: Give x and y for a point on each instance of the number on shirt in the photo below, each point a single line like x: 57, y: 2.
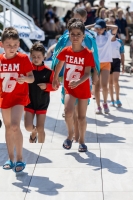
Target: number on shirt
x: 7, y: 84
x: 71, y: 73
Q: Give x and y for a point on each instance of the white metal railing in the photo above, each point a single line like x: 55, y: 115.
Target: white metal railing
x: 12, y: 8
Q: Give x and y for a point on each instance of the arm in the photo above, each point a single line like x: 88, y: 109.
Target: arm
x: 55, y: 83
x: 113, y: 28
x: 47, y: 87
x: 127, y: 34
x: 122, y: 61
x: 90, y: 26
x: 29, y: 78
x: 48, y: 55
x: 74, y: 84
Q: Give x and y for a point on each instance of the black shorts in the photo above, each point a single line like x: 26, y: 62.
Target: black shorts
x: 115, y: 65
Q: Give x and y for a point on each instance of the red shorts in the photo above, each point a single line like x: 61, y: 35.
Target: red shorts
x: 37, y: 112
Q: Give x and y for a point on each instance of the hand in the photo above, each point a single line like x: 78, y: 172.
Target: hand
x: 73, y: 84
x: 21, y: 79
x: 55, y: 84
x: 123, y: 69
x: 127, y: 38
x: 42, y: 86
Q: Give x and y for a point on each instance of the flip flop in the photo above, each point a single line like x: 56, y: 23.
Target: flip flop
x: 0, y: 123
x: 118, y: 103
x: 19, y: 164
x: 33, y: 140
x: 68, y: 143
x: 82, y: 148
x: 10, y: 164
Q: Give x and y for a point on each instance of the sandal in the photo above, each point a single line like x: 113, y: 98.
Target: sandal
x: 118, y: 103
x: 34, y: 140
x: 10, y: 164
x: 68, y: 143
x: 82, y: 148
x: 0, y: 123
x: 19, y: 164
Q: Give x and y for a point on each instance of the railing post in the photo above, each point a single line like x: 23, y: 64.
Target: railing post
x: 4, y: 11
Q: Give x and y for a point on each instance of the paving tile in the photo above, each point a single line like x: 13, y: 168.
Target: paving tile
x: 66, y: 179
x: 12, y: 182
x: 117, y: 179
x: 13, y: 195
x: 58, y: 146
x: 116, y: 158
x: 118, y: 195
x: 72, y: 158
x: 64, y: 195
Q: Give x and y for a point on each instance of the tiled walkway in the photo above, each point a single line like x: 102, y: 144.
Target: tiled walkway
x: 105, y: 172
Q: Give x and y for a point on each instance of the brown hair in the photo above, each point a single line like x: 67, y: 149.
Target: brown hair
x: 76, y: 24
x: 82, y: 12
x: 38, y: 46
x: 10, y: 33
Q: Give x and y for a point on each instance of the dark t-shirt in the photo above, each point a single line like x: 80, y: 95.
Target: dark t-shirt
x: 122, y: 24
x: 90, y: 17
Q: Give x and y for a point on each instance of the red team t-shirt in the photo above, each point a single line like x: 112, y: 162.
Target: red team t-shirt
x: 75, y: 63
x: 12, y: 93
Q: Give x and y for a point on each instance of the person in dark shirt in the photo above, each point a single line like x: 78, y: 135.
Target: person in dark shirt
x: 91, y: 12
x: 122, y: 26
x: 39, y: 93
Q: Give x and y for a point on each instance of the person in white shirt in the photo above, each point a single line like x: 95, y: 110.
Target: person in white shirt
x: 118, y: 59
x: 103, y: 40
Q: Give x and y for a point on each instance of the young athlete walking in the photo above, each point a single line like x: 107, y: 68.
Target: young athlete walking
x: 78, y: 63
x: 39, y: 92
x: 103, y: 40
x: 118, y: 59
x: 89, y: 41
x: 15, y: 73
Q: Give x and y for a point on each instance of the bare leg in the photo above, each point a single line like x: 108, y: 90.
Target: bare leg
x: 94, y: 81
x: 40, y: 127
x: 76, y: 128
x: 69, y: 112
x: 116, y: 84
x: 111, y: 87
x: 6, y: 114
x: 12, y: 118
x: 15, y: 128
x: 82, y: 108
x: 104, y: 83
x: 28, y: 121
x: 97, y: 92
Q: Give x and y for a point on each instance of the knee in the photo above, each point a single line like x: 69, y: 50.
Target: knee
x: 40, y: 129
x: 116, y: 82
x: 68, y: 112
x: 15, y: 127
x: 104, y: 86
x: 81, y: 119
x: 29, y: 128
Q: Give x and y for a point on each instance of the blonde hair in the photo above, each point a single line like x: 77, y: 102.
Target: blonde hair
x: 100, y: 13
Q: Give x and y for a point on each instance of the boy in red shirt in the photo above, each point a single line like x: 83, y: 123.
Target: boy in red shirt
x: 78, y: 63
x: 15, y: 73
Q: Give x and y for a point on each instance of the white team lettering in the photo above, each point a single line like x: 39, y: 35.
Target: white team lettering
x: 81, y: 61
x: 71, y: 59
x: 74, y: 60
x: 9, y: 67
x: 4, y: 67
x: 16, y: 67
x: 67, y: 58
